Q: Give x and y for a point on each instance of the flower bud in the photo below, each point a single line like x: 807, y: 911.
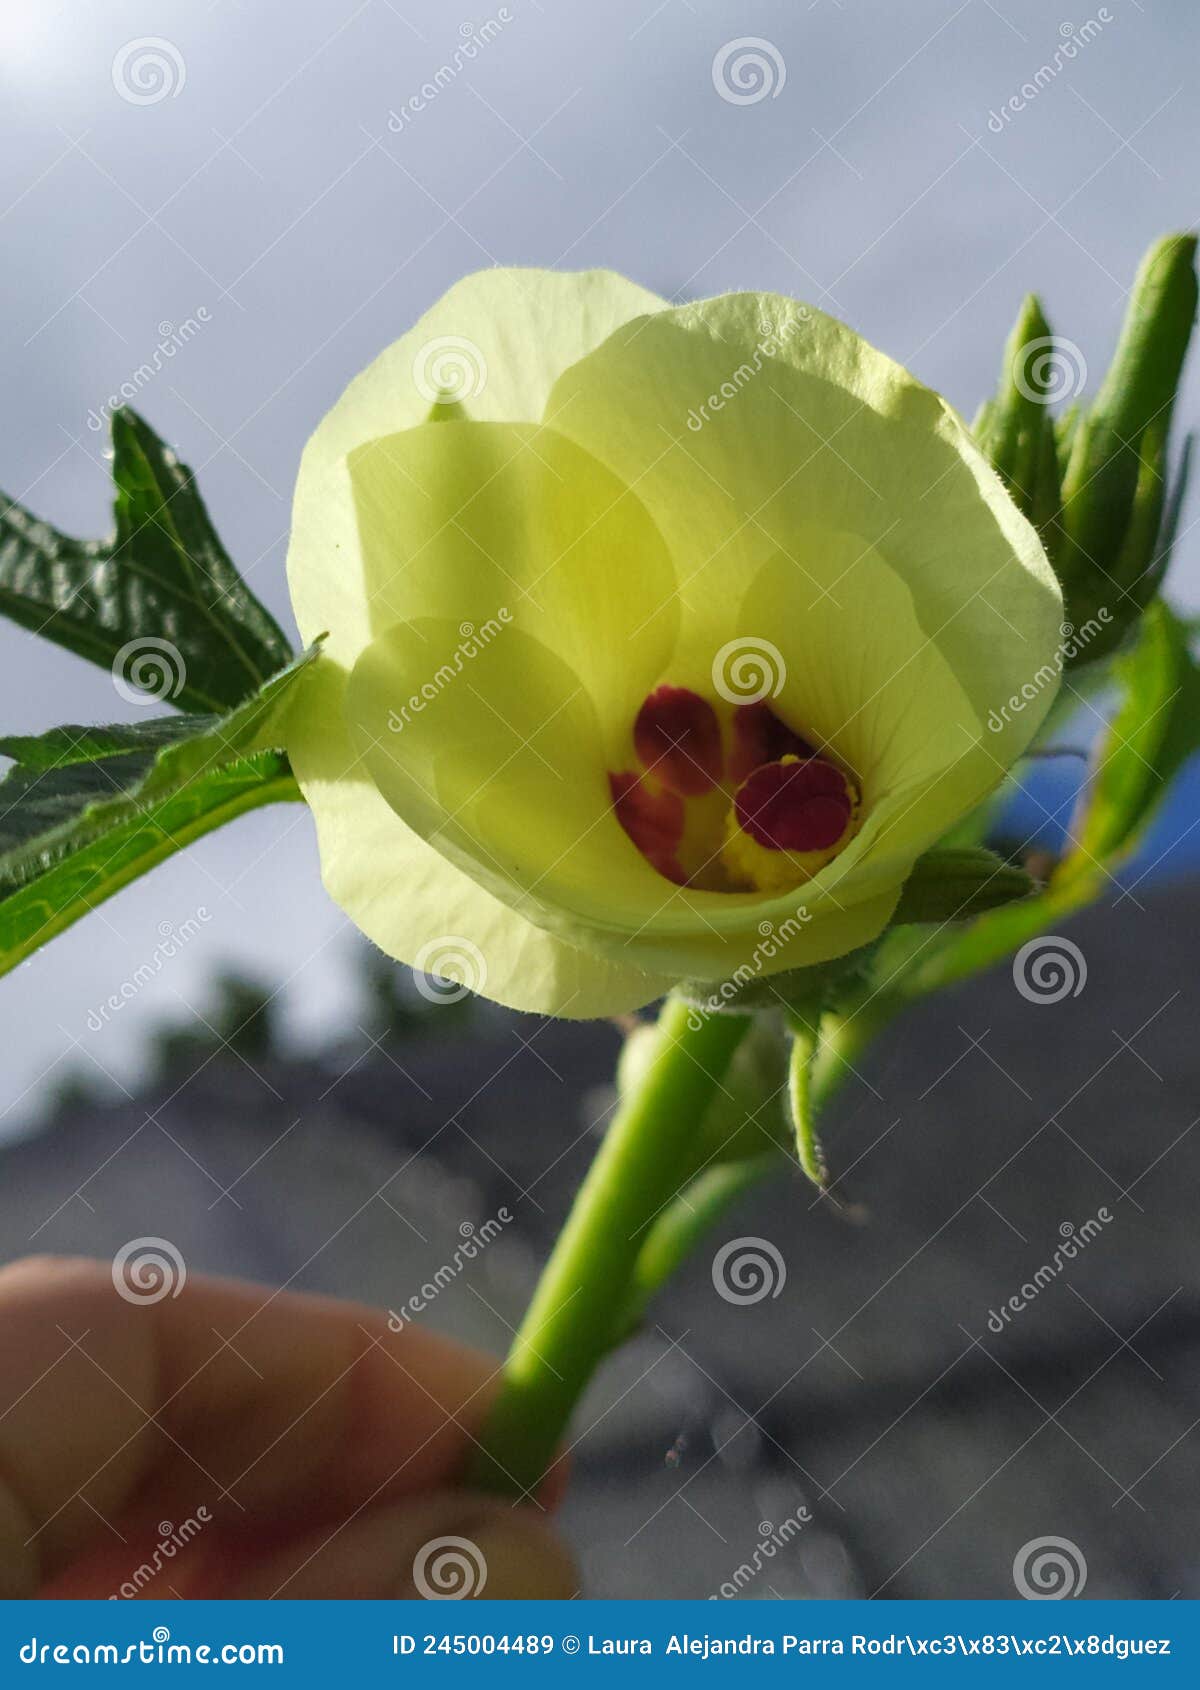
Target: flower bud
x: 1016, y: 428
x: 1095, y: 482
x: 1114, y: 483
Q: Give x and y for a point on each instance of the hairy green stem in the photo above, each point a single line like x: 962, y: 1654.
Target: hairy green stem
x: 685, y: 1222
x: 585, y: 1286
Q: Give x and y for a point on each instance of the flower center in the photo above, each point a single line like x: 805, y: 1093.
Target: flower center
x: 730, y: 805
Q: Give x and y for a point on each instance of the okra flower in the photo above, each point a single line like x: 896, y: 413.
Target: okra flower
x: 658, y: 635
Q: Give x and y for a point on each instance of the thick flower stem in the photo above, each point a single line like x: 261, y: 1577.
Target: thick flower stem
x: 569, y: 1325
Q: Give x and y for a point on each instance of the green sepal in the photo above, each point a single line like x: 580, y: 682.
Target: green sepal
x: 949, y: 884
x: 782, y: 990
x: 946, y: 885
x: 804, y: 1027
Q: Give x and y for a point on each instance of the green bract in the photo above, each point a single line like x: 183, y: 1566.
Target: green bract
x: 627, y: 496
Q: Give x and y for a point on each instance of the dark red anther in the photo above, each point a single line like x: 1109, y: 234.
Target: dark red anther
x: 654, y: 822
x: 760, y: 737
x: 678, y: 738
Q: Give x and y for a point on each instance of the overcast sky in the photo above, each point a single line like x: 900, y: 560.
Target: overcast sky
x: 239, y: 170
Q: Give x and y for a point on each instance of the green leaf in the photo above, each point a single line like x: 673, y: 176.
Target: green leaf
x: 161, y: 603
x: 59, y: 774
x: 87, y: 810
x: 60, y: 747
x: 1155, y: 730
x: 952, y: 884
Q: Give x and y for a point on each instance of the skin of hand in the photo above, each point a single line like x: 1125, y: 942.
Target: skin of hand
x: 237, y: 1442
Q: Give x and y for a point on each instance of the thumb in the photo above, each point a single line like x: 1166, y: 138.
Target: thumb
x: 447, y: 1545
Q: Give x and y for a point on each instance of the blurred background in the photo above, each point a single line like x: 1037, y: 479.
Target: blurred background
x: 254, y: 187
